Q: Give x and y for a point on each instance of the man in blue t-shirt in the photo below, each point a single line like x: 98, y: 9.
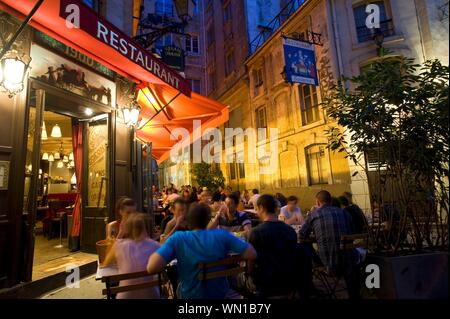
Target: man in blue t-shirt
x: 193, y: 247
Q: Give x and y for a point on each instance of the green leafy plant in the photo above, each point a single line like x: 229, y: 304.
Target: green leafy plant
x: 393, y: 123
x: 207, y: 175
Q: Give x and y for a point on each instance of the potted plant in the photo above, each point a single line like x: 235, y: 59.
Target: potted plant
x: 207, y: 175
x: 393, y: 123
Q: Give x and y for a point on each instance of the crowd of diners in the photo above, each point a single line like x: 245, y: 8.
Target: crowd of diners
x: 269, y: 231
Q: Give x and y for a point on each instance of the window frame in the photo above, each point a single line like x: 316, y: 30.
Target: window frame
x: 322, y: 180
x: 165, y: 4
x: 314, y: 97
x: 388, y: 29
x: 229, y: 68
x: 191, y: 40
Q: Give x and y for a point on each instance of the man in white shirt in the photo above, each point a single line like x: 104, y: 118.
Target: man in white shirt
x: 252, y: 201
x: 291, y: 214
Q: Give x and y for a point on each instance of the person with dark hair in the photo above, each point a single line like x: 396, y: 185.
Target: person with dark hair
x: 291, y: 214
x: 329, y: 223
x: 335, y: 202
x: 231, y: 219
x: 254, y: 198
x: 125, y: 206
x: 217, y: 204
x: 194, y: 196
x: 281, y: 199
x: 359, y: 221
x: 178, y: 222
x: 277, y: 271
x: 193, y: 247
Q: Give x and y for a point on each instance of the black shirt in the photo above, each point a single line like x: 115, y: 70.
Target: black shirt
x: 359, y: 221
x: 277, y: 264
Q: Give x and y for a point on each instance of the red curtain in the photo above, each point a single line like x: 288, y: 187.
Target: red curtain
x: 77, y: 143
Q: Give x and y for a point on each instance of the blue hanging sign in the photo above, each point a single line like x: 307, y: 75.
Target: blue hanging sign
x: 300, y: 61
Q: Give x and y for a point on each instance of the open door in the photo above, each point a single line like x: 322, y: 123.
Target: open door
x: 36, y: 103
x: 95, y: 198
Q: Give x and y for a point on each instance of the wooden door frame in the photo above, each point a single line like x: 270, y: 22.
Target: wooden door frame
x: 30, y: 220
x: 109, y: 173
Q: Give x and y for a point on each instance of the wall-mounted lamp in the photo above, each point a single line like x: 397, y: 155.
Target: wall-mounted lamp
x: 13, y: 67
x: 131, y: 114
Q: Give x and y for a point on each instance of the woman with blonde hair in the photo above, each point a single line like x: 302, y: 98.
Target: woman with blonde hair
x: 131, y: 254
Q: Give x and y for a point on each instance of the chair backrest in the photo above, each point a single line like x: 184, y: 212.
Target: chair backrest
x: 233, y: 261
x: 109, y: 291
x: 349, y: 242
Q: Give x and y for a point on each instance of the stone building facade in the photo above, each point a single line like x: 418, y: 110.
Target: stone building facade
x: 250, y: 81
x: 263, y: 98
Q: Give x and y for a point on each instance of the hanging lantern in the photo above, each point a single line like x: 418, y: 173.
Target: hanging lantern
x: 71, y: 156
x: 45, y: 157
x: 60, y: 164
x: 51, y: 158
x: 44, y: 132
x: 65, y: 159
x: 185, y: 9
x: 72, y: 164
x: 57, y: 156
x: 56, y: 131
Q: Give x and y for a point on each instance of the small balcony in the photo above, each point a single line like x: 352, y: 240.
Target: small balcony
x: 365, y: 34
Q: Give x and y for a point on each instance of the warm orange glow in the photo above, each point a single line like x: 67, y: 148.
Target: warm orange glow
x: 168, y: 110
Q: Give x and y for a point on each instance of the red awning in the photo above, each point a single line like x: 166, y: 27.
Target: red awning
x: 105, y: 43
x: 180, y: 113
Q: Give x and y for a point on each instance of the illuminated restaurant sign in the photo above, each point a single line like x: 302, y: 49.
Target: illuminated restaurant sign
x: 107, y: 33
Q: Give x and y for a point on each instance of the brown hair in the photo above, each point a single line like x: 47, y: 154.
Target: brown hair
x: 198, y: 216
x: 134, y: 227
x: 121, y: 203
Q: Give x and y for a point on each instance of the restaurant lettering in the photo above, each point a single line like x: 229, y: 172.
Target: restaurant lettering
x: 135, y: 54
x: 107, y: 33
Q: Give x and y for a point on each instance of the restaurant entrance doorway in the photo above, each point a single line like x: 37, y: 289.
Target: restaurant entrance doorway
x: 66, y: 189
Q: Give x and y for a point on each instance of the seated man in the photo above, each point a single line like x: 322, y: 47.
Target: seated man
x: 329, y: 223
x: 178, y: 222
x: 291, y: 214
x: 231, y: 219
x: 358, y: 218
x: 193, y: 247
x: 278, y: 271
x: 254, y: 198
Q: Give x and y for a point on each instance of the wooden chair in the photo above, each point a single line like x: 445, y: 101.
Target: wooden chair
x: 109, y: 291
x: 331, y: 281
x: 233, y: 266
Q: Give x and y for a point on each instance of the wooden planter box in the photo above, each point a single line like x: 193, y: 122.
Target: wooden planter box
x: 421, y: 276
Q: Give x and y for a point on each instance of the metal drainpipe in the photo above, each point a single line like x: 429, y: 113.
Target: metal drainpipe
x: 337, y: 42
